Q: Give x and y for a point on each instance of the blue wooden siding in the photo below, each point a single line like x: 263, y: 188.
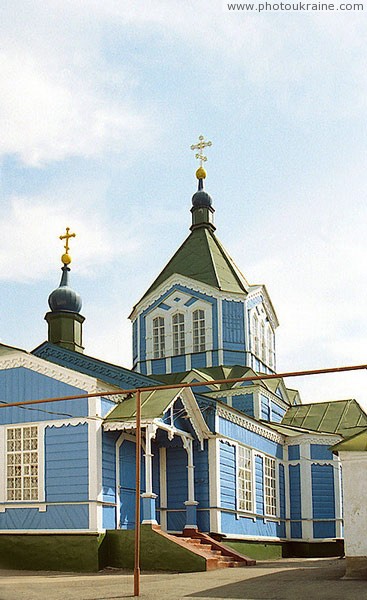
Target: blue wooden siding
x: 109, y: 517
x: 203, y: 519
x: 265, y: 408
x: 233, y: 325
x: 109, y: 465
x: 198, y: 360
x: 106, y: 406
x: 230, y: 357
x: 282, y: 500
x: 323, y: 500
x: 142, y: 339
x: 244, y: 402
x: 135, y: 341
x: 201, y: 474
x: 20, y: 384
x: 293, y: 452
x: 176, y: 520
x: 295, y: 500
x: 178, y: 364
x: 159, y: 366
x: 176, y: 477
x: 321, y: 452
x: 247, y: 526
x: 66, y: 463
x: 259, y: 484
x: 277, y: 412
x: 59, y: 516
x: 249, y: 438
x: 227, y: 459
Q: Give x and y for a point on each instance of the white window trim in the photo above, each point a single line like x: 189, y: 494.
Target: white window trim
x: 187, y: 311
x: 253, y: 490
x: 41, y: 462
x: 276, y: 486
x: 262, y: 341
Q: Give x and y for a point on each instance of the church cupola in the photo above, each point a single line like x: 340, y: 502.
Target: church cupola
x: 64, y: 320
x: 202, y: 209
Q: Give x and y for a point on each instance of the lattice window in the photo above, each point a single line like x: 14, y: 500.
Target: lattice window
x: 198, y: 321
x: 178, y: 329
x: 22, y: 463
x: 158, y: 337
x: 270, y: 487
x: 244, y: 475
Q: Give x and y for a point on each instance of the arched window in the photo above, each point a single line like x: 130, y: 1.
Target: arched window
x: 255, y: 334
x: 271, y: 347
x: 158, y: 337
x: 178, y: 329
x: 198, y: 327
x: 263, y: 341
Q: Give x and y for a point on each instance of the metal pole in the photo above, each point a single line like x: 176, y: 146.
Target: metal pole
x: 137, y: 496
x: 193, y: 384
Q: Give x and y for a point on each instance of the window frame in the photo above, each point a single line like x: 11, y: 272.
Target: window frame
x: 198, y: 330
x: 159, y: 339
x: 251, y: 480
x: 178, y: 334
x: 271, y: 501
x: 25, y: 466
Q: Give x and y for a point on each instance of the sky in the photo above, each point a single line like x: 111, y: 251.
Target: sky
x: 99, y: 105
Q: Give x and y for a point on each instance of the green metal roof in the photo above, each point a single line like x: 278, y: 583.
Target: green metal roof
x: 203, y: 258
x: 356, y: 443
x: 153, y: 405
x: 209, y: 374
x: 345, y: 417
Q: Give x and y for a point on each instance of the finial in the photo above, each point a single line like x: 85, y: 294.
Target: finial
x: 66, y: 258
x: 201, y: 173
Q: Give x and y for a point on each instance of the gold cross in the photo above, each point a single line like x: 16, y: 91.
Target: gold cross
x: 66, y: 237
x: 200, y: 146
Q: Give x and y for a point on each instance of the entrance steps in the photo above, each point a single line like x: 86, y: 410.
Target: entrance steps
x: 216, y: 555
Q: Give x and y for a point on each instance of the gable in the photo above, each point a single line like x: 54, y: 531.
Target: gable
x: 21, y: 384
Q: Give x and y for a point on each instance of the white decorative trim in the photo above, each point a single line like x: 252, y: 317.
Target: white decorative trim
x: 61, y: 374
x: 262, y: 292
x: 187, y: 282
x: 250, y: 425
x: 306, y: 492
x: 324, y: 439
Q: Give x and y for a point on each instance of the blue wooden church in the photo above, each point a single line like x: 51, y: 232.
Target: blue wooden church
x: 227, y: 468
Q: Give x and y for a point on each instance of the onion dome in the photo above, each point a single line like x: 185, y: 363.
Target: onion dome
x: 201, y: 198
x: 64, y: 298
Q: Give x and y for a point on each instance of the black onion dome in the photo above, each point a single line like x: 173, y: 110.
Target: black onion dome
x: 201, y: 198
x: 64, y: 299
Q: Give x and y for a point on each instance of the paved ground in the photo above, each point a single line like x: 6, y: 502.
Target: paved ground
x: 295, y: 579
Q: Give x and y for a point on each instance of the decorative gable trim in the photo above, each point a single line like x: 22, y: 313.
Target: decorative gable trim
x: 192, y: 284
x: 131, y: 380
x: 62, y: 374
x: 250, y: 425
x: 261, y: 292
x: 314, y: 438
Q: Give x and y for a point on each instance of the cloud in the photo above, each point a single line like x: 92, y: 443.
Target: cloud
x: 30, y: 245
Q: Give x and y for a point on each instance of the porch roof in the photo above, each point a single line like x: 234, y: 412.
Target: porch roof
x: 153, y: 405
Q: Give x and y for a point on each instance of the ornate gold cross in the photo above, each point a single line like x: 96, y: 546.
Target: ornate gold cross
x: 200, y: 146
x: 66, y: 259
